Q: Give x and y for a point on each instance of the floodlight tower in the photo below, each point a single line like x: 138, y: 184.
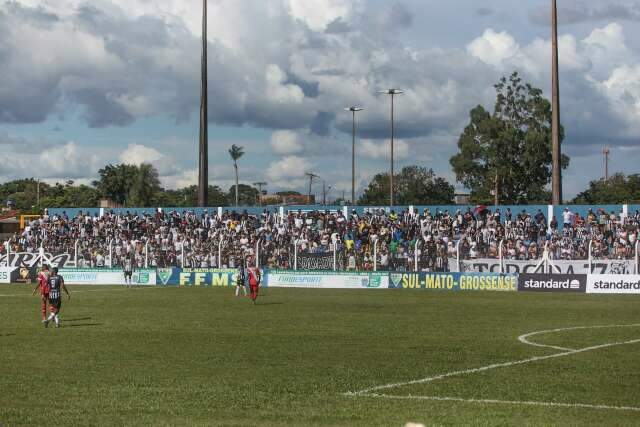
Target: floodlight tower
x: 353, y: 110
x: 311, y: 176
x: 391, y: 92
x: 260, y: 185
x: 203, y: 161
x: 556, y: 172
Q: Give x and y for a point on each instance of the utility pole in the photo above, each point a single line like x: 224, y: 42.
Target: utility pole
x: 325, y: 191
x: 606, y: 153
x: 556, y: 172
x: 311, y: 175
x: 203, y: 162
x: 260, y: 185
x: 38, y: 193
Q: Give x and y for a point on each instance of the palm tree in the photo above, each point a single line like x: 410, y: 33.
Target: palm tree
x: 236, y: 152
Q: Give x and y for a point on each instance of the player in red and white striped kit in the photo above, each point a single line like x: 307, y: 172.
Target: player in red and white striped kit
x: 254, y: 280
x: 43, y: 286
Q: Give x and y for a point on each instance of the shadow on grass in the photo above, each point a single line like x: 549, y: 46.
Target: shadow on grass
x: 269, y: 303
x: 77, y: 319
x: 81, y: 325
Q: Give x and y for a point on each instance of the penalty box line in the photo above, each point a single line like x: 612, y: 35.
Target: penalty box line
x: 488, y: 367
x: 502, y: 402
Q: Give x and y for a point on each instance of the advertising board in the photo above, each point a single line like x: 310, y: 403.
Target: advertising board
x: 489, y: 265
x: 196, y: 277
x: 454, y: 281
x: 106, y: 276
x: 326, y: 280
x: 613, y: 284
x: 8, y: 274
x: 552, y: 282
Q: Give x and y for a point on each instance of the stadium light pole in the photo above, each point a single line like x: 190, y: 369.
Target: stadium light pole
x: 260, y: 185
x: 391, y: 92
x: 311, y: 175
x: 556, y: 172
x: 353, y: 110
x: 203, y: 161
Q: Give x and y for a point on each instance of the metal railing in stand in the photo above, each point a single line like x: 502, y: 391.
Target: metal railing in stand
x: 637, y: 257
x: 500, y: 248
x: 7, y: 244
x: 258, y: 254
x: 375, y: 255
x: 295, y: 254
x: 335, y: 256
x: 415, y: 256
x: 75, y: 253
x: 458, y: 254
x: 146, y: 254
x: 220, y: 253
x: 111, y: 253
x: 590, y: 256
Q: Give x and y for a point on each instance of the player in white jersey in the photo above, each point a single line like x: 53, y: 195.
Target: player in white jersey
x: 127, y: 267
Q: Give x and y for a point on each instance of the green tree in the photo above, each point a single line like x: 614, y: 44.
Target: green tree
x: 236, y: 152
x: 145, y: 185
x: 414, y: 185
x: 508, y: 152
x: 245, y: 194
x: 188, y: 196
x: 618, y: 189
x: 115, y: 182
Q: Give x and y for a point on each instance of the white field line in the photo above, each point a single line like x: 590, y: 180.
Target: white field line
x: 524, y: 338
x: 124, y: 288
x: 497, y: 365
x: 503, y: 402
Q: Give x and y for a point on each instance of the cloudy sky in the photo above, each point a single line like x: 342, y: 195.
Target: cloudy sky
x: 85, y: 83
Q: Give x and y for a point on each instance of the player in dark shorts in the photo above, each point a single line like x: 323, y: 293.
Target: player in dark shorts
x: 56, y: 285
x: 240, y: 279
x: 128, y: 271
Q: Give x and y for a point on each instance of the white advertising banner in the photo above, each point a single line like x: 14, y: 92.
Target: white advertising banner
x: 613, y: 284
x: 6, y: 274
x: 490, y: 265
x: 326, y: 280
x: 105, y: 276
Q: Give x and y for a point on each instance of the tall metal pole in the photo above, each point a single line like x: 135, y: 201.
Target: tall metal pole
x: 353, y: 158
x: 556, y: 172
x: 203, y: 163
x: 353, y: 110
x: 391, y: 92
x: 606, y: 152
x: 391, y: 176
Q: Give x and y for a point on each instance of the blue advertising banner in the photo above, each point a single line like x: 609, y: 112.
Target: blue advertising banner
x: 196, y: 277
x: 454, y: 281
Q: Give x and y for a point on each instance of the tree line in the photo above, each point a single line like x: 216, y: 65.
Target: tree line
x: 503, y: 156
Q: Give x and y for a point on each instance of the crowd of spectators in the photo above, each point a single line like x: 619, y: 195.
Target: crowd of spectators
x: 163, y: 238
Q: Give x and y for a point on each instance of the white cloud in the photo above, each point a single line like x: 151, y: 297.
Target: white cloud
x: 136, y: 154
x: 493, y: 47
x: 382, y: 150
x: 278, y: 90
x: 317, y: 14
x: 67, y: 160
x: 288, y: 167
x: 286, y: 142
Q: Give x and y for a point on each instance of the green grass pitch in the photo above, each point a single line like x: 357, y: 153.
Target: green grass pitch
x: 200, y: 356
